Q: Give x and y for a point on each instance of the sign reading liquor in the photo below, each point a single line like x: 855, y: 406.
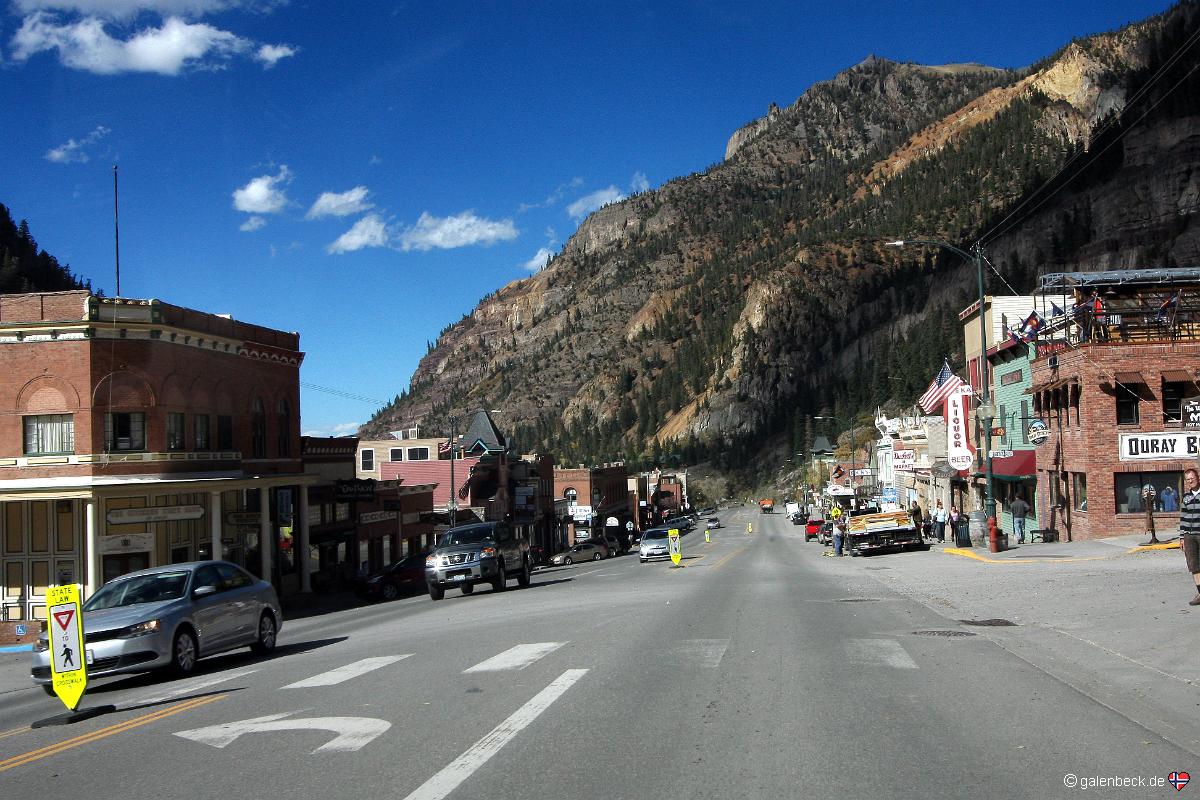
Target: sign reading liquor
x: 959, y: 452
x: 904, y: 460
x: 1159, y: 446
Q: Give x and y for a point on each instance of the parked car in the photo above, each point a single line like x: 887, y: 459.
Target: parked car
x: 170, y: 617
x: 712, y: 523
x: 825, y: 537
x: 654, y: 545
x: 482, y: 552
x: 401, y: 577
x: 587, y: 550
x: 614, y: 545
x: 812, y: 528
x: 682, y: 523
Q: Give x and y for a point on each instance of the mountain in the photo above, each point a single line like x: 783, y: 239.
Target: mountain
x: 714, y: 316
x: 24, y: 267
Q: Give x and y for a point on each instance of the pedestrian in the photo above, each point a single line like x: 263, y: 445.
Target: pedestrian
x: 1189, y: 527
x: 955, y: 518
x: 1019, y: 509
x: 939, y: 522
x: 839, y: 535
x: 915, y: 513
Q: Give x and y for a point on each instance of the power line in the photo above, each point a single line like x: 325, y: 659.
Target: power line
x: 347, y: 395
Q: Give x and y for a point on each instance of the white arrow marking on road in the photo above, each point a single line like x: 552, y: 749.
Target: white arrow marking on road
x: 517, y: 657
x: 342, y: 674
x: 352, y: 732
x: 879, y: 651
x: 461, y: 768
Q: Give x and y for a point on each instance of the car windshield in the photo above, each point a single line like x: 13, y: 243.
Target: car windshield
x: 655, y: 535
x: 466, y: 536
x: 155, y: 588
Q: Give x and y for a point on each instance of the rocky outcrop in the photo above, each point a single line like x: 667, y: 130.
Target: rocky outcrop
x: 750, y: 130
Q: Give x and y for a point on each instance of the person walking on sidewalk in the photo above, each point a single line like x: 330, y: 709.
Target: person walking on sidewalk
x: 955, y: 522
x: 939, y: 521
x: 1189, y: 527
x: 915, y: 514
x: 1019, y: 510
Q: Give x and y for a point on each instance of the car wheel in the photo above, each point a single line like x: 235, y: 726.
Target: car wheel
x: 266, y: 634
x: 595, y: 557
x: 390, y: 591
x: 468, y: 588
x: 436, y: 592
x: 183, y: 653
x: 501, y: 579
x: 525, y: 576
x: 568, y: 560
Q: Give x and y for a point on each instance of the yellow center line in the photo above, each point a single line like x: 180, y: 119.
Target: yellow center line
x: 13, y: 732
x: 726, y: 558
x: 145, y: 719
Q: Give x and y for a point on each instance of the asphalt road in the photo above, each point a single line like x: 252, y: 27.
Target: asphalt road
x: 750, y: 672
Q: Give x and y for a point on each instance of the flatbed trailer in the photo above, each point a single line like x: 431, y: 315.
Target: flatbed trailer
x: 871, y: 533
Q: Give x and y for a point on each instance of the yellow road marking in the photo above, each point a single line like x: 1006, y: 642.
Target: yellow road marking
x: 13, y: 732
x: 1160, y: 546
x: 726, y: 558
x: 957, y: 551
x: 145, y: 719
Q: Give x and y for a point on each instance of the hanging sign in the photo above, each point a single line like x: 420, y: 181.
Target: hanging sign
x: 904, y: 460
x: 960, y: 454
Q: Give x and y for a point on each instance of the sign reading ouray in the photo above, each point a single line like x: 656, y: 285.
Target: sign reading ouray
x: 1159, y: 446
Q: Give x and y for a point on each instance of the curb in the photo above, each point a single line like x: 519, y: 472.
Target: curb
x: 18, y: 648
x: 1161, y: 546
x: 957, y: 551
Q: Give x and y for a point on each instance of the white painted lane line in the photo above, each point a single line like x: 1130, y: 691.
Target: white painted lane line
x: 343, y: 674
x: 461, y: 768
x: 707, y: 652
x: 873, y: 652
x: 194, y: 687
x: 589, y: 572
x: 518, y: 657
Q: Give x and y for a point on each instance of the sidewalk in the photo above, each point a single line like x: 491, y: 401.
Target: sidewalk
x: 1105, y: 616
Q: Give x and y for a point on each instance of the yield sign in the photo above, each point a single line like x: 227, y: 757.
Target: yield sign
x: 63, y: 618
x: 353, y: 733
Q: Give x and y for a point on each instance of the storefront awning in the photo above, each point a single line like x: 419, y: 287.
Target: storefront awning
x: 1021, y: 464
x: 1177, y: 376
x: 1128, y: 377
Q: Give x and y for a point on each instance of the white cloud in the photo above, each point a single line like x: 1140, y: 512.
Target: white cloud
x: 253, y: 224
x: 263, y: 194
x: 591, y: 202
x: 331, y: 204
x: 639, y: 183
x: 72, y: 151
x: 271, y: 54
x: 370, y: 231
x: 375, y: 160
x: 166, y: 50
x: 461, y: 230
x: 120, y: 9
x: 554, y: 197
x: 539, y: 260
x: 341, y: 429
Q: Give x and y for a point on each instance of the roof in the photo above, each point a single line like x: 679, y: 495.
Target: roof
x: 483, y: 429
x: 1120, y: 277
x: 821, y: 445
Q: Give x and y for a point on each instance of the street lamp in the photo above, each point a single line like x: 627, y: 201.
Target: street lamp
x: 985, y: 412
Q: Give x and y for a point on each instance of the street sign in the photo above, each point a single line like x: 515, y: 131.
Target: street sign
x: 1039, y: 432
x: 68, y: 659
x: 1001, y: 453
x: 673, y: 544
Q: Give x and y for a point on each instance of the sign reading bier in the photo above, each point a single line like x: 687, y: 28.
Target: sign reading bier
x: 1159, y: 446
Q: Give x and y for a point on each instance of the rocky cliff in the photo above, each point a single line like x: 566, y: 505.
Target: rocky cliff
x: 716, y: 311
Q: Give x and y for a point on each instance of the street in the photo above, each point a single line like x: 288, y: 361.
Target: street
x: 760, y: 669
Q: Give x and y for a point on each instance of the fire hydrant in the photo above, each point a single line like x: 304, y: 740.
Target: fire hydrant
x: 996, y: 539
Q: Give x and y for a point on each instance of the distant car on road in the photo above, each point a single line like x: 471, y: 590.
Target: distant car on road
x: 588, y: 550
x: 170, y: 617
x: 482, y: 552
x: 712, y: 523
x: 654, y: 545
x: 684, y: 524
x: 401, y: 577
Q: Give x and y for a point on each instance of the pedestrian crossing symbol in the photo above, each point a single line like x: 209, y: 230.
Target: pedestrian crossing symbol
x: 673, y: 545
x: 68, y: 667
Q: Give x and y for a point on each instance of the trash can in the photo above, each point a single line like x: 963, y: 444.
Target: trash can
x: 974, y: 527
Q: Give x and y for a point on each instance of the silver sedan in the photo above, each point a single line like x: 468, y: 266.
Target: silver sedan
x: 583, y: 551
x: 170, y: 617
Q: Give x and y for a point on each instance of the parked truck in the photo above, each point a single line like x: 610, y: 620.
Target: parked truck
x: 870, y: 533
x: 766, y: 505
x: 792, y: 509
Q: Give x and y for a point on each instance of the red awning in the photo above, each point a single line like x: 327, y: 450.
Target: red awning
x: 1019, y: 464
x: 1177, y: 376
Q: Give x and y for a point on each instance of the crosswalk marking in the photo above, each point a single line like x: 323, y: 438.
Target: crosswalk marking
x: 874, y: 652
x: 707, y: 652
x: 342, y: 674
x: 517, y: 657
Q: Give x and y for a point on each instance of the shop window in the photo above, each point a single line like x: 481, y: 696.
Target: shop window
x: 175, y: 426
x: 1127, y: 406
x: 49, y: 433
x: 314, y: 515
x: 1079, y: 490
x: 283, y: 418
x: 571, y: 495
x: 418, y: 454
x: 224, y: 432
x: 258, y: 429
x: 124, y: 431
x: 396, y: 454
x: 1127, y: 487
x: 341, y: 512
x: 367, y: 460
x: 200, y: 432
x: 1172, y: 400
x: 1023, y: 422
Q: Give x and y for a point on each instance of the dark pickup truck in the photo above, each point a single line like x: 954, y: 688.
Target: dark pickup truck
x: 483, y: 552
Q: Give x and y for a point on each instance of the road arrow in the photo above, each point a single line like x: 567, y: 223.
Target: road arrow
x: 353, y: 733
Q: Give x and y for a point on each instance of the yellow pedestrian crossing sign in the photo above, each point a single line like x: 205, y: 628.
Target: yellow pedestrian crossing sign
x: 673, y: 544
x: 68, y: 658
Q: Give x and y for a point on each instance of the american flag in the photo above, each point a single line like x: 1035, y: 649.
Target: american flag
x: 444, y: 448
x: 943, y: 384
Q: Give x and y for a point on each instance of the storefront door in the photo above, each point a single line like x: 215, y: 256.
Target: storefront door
x: 117, y: 564
x: 39, y: 549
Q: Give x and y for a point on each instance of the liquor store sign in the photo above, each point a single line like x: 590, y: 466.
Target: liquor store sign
x: 1159, y: 446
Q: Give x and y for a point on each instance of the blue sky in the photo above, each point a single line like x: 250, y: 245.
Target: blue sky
x: 364, y: 172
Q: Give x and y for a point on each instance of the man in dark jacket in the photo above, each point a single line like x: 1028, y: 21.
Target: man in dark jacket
x: 1019, y: 509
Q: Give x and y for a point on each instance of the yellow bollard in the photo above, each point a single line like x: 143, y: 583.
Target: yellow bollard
x: 749, y: 528
x: 707, y: 538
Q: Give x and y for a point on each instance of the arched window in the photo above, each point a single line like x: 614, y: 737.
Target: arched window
x: 571, y: 496
x: 282, y: 415
x: 258, y: 430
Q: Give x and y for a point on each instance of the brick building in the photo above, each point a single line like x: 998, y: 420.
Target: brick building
x: 594, y: 495
x: 1111, y: 380
x: 135, y: 433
